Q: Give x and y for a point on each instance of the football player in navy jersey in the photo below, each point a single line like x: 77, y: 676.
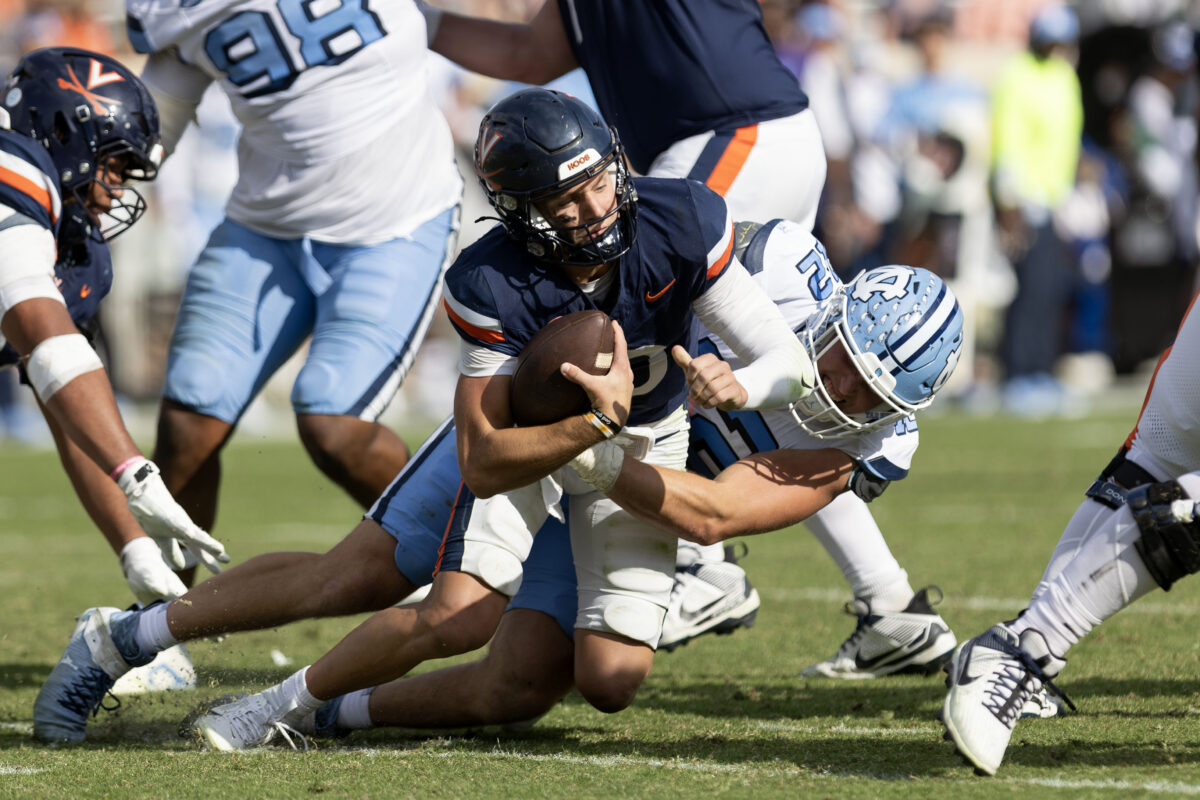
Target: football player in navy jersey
x: 75, y: 128
x: 697, y: 91
x: 578, y: 232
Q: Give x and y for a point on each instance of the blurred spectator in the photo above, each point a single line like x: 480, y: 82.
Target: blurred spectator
x: 1155, y: 244
x: 1037, y: 129
x: 63, y: 23
x: 930, y: 122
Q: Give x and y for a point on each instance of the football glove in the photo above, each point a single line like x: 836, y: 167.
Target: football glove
x: 148, y: 576
x: 164, y: 520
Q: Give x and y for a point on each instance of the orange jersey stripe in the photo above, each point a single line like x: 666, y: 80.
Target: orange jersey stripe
x: 723, y: 261
x: 1133, y: 433
x: 732, y: 159
x: 25, y: 186
x: 437, y: 566
x: 482, y: 334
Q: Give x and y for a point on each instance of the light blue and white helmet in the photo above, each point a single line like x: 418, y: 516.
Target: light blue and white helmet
x: 902, y: 328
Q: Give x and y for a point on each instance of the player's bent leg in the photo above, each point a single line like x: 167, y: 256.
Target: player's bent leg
x: 359, y: 455
x: 527, y: 670
x: 457, y: 615
x: 460, y: 615
x: 357, y: 575
x: 610, y: 668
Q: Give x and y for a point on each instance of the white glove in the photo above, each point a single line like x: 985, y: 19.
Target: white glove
x: 148, y: 576
x: 164, y: 520
x: 599, y: 465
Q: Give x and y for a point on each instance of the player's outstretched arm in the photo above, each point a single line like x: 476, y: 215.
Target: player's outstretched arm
x: 148, y: 576
x: 73, y: 387
x: 535, y: 52
x: 786, y: 487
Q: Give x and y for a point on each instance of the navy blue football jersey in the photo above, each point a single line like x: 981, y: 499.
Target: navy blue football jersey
x: 498, y: 296
x: 83, y: 269
x: 663, y: 70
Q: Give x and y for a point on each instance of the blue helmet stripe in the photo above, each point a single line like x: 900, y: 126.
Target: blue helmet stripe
x: 935, y: 322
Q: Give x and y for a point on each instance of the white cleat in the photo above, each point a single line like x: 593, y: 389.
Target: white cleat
x: 170, y: 671
x: 991, y: 680
x: 251, y: 721
x: 708, y: 597
x: 916, y: 639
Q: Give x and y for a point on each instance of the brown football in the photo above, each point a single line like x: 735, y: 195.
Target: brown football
x: 539, y: 394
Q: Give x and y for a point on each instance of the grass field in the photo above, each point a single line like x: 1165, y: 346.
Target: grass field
x: 724, y: 716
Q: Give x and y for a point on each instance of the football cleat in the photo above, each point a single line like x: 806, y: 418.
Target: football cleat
x: 708, y: 597
x: 252, y: 721
x: 916, y: 639
x: 991, y: 680
x: 83, y: 676
x: 170, y: 671
x: 1042, y: 705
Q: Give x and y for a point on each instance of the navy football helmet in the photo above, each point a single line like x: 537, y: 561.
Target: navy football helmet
x: 537, y: 143
x: 903, y: 330
x: 86, y: 109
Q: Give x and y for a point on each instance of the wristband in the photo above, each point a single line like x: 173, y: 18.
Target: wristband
x: 117, y: 470
x: 603, y: 423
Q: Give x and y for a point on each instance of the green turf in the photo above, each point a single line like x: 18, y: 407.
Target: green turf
x: 723, y: 716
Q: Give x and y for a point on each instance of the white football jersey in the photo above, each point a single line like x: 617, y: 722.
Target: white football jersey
x: 1166, y: 441
x: 791, y: 266
x: 341, y: 139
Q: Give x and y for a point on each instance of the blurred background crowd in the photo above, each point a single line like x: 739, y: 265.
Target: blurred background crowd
x: 1041, y: 157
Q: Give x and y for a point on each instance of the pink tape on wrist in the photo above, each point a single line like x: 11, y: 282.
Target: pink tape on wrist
x: 116, y: 473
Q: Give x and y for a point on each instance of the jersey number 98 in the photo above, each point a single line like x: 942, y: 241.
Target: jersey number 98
x: 249, y: 46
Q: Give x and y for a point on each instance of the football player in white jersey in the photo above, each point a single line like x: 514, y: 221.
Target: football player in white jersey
x: 341, y: 225
x: 1137, y: 530
x: 76, y: 127
x: 743, y: 128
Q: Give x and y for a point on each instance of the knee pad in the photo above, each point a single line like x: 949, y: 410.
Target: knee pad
x: 632, y: 617
x: 497, y: 567
x: 1169, y: 543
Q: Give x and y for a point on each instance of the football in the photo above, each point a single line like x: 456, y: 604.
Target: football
x: 539, y: 394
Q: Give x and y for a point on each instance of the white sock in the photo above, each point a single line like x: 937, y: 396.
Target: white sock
x: 354, y: 712
x: 153, y: 635
x: 848, y: 532
x: 296, y: 688
x: 690, y: 552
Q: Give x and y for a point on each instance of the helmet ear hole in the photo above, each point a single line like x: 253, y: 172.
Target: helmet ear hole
x: 62, y: 129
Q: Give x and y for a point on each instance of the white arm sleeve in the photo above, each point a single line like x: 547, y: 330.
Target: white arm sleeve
x: 476, y: 361
x: 177, y: 90
x: 27, y: 266
x: 778, y: 370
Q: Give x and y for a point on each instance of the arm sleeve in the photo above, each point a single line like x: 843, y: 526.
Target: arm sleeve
x: 177, y: 90
x: 778, y: 370
x: 27, y: 268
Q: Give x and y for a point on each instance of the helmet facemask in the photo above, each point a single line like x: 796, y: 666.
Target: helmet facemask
x: 817, y: 413
x: 902, y: 329
x: 523, y: 218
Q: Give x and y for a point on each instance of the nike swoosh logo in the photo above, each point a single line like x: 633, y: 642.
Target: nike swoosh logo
x: 650, y: 298
x: 85, y: 291
x: 965, y: 658
x: 903, y: 651
x: 690, y: 614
